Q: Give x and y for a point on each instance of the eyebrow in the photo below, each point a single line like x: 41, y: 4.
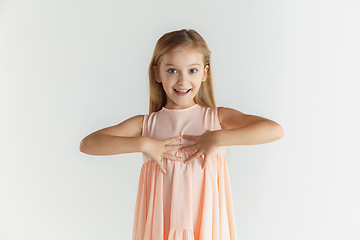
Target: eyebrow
x: 169, y: 64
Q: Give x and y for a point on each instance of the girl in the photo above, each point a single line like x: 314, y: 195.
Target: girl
x: 184, y: 189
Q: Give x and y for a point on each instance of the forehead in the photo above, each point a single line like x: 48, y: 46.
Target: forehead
x: 182, y: 57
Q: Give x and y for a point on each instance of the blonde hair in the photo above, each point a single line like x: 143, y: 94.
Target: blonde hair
x: 171, y: 41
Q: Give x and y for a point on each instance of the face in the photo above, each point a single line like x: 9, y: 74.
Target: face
x: 182, y: 72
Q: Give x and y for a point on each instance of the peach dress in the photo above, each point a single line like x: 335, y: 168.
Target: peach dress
x: 186, y: 203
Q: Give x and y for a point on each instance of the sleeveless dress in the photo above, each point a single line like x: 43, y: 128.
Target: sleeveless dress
x: 188, y: 202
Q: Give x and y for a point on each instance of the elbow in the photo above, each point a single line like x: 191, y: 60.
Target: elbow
x: 275, y: 131
x: 84, y: 146
x: 279, y: 131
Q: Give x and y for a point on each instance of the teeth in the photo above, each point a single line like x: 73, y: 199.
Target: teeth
x: 182, y: 91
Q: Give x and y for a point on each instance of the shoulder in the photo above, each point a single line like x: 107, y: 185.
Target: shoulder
x: 227, y: 116
x: 137, y: 121
x: 231, y: 118
x: 133, y: 125
x: 225, y: 112
x: 138, y: 118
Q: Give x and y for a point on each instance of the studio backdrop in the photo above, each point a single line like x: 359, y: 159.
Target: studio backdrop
x: 69, y: 68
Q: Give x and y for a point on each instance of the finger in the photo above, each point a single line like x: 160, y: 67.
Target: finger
x: 193, y: 157
x: 173, y: 147
x: 161, y: 167
x: 206, y: 160
x: 173, y: 139
x: 188, y: 148
x: 190, y: 137
x: 171, y: 157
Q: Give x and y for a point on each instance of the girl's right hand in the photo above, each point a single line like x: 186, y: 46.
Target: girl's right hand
x: 157, y: 149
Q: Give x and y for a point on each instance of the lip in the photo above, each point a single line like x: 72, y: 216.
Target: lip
x: 182, y: 94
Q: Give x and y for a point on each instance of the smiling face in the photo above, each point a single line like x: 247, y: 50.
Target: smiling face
x: 181, y: 73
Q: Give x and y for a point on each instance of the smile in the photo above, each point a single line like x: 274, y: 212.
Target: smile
x: 181, y: 92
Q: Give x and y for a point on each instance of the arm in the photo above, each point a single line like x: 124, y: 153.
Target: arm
x: 243, y: 129
x: 126, y: 137
x: 122, y: 138
x: 237, y: 129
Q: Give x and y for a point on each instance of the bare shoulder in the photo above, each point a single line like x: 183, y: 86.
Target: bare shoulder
x: 230, y: 118
x: 227, y: 116
x: 130, y: 127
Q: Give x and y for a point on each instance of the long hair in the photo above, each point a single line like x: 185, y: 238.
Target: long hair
x: 166, y: 43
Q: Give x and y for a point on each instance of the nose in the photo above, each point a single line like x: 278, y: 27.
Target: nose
x: 182, y: 79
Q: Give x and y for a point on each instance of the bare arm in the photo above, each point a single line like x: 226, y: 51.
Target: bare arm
x: 126, y: 137
x: 243, y: 129
x: 122, y: 138
x: 237, y: 129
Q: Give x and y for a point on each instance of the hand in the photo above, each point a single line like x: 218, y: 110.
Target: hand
x: 156, y: 150
x: 206, y: 144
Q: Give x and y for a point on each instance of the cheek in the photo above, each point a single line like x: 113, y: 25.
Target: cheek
x: 167, y: 87
x: 198, y: 85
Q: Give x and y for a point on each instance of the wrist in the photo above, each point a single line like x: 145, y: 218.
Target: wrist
x: 143, y: 143
x: 221, y: 137
x: 218, y: 135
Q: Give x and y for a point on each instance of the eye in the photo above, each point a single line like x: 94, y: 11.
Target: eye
x: 193, y: 70
x: 171, y: 70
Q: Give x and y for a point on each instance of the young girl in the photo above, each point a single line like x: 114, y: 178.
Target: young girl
x: 184, y: 189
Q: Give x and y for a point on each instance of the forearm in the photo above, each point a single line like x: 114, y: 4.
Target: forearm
x: 103, y: 144
x: 256, y: 133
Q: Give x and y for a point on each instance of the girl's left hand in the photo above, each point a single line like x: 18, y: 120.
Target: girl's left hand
x: 206, y: 144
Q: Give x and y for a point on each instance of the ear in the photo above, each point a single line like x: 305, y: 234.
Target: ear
x: 205, y: 72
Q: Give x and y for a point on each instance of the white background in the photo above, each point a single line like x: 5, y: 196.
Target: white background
x: 71, y: 67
